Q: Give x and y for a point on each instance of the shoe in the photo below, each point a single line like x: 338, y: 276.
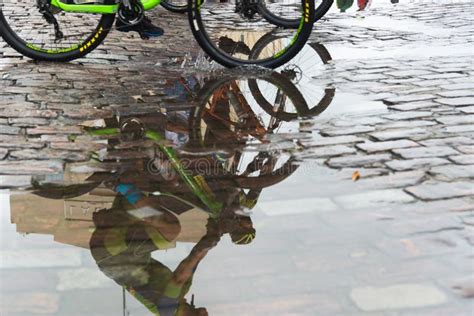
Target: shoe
x: 145, y: 28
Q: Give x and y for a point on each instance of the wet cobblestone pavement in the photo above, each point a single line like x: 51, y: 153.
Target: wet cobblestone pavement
x: 363, y: 206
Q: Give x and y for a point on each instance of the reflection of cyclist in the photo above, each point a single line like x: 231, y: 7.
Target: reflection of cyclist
x: 126, y: 235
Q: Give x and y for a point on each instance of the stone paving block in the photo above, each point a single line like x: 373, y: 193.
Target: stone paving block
x: 373, y: 199
x: 298, y: 206
x: 48, y: 130
x: 14, y: 181
x: 357, y: 160
x: 46, y: 154
x: 358, y: 129
x: 463, y: 159
x: 366, y: 77
x: 467, y: 109
x: 9, y: 130
x: 448, y: 141
x: 407, y: 124
x: 409, y: 98
x: 399, y: 296
x: 3, y: 153
x: 446, y: 75
x: 371, y: 147
x: 394, y: 180
x: 408, y: 73
x: 465, y: 101
x: 466, y: 149
x: 459, y: 129
x: 456, y: 119
x: 27, y: 121
x: 336, y: 140
x: 411, y: 164
x: 458, y: 86
x: 456, y: 93
x: 399, y: 134
x: 414, y: 106
x: 407, y: 115
x: 453, y: 172
x: 425, y: 152
x: 441, y: 206
x: 31, y: 167
x: 327, y: 151
x: 442, y: 190
x: 426, y: 225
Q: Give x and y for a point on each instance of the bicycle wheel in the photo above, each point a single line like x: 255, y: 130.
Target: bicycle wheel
x: 228, y: 31
x: 288, y: 17
x: 52, y: 36
x: 301, y: 71
x: 177, y: 6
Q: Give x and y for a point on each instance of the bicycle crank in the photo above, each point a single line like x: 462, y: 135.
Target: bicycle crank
x: 130, y: 12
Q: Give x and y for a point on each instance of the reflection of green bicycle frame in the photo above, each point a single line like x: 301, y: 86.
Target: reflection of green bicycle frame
x: 213, y: 205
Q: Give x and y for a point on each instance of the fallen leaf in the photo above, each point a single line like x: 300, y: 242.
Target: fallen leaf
x: 355, y: 176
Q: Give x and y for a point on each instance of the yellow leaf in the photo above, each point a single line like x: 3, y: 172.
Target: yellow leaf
x: 355, y: 175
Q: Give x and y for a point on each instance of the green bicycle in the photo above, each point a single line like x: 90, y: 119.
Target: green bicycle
x: 64, y: 30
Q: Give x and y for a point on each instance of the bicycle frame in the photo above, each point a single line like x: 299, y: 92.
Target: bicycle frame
x: 100, y: 8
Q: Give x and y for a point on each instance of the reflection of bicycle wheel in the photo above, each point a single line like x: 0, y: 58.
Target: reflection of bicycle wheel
x: 301, y: 70
x: 228, y: 32
x: 289, y: 18
x: 227, y: 118
x: 177, y: 6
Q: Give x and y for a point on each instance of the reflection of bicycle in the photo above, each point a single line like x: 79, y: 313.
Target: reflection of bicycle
x: 150, y: 207
x: 63, y: 30
x: 301, y: 71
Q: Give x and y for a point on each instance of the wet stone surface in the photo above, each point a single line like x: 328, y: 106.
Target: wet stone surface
x: 131, y: 173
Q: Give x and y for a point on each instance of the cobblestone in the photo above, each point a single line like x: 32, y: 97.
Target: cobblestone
x: 438, y: 191
x: 411, y: 164
x: 453, y: 172
x: 371, y: 147
x: 357, y: 161
x: 425, y: 152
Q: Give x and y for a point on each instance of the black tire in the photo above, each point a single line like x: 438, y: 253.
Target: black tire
x: 78, y: 50
x: 176, y: 8
x: 271, y: 17
x: 277, y: 59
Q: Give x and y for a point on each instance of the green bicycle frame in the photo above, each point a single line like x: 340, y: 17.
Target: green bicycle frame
x: 99, y: 8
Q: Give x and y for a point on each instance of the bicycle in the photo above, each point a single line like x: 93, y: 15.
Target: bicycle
x: 58, y: 30
x: 286, y: 20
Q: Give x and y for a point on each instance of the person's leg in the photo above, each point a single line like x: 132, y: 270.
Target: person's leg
x: 145, y: 28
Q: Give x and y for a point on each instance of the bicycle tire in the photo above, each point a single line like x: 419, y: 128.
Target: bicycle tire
x: 276, y: 60
x: 168, y: 5
x: 320, y: 11
x: 61, y: 55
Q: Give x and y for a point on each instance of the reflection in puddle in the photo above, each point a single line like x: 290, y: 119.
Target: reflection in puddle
x: 191, y: 175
